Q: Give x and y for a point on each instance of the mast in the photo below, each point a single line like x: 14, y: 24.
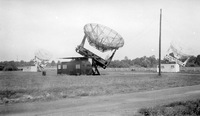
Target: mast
x: 159, y: 73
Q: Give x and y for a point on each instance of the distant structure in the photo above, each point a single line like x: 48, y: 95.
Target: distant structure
x: 103, y: 39
x: 29, y: 68
x: 173, y: 67
x: 175, y: 57
x: 41, y: 57
x: 77, y: 66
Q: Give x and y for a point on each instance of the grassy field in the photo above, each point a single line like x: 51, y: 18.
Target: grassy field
x: 179, y: 108
x: 32, y: 86
x: 195, y: 70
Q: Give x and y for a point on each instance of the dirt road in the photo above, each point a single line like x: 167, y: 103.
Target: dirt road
x: 112, y: 105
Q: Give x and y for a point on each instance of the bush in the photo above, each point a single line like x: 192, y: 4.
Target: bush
x: 187, y: 108
x: 8, y: 66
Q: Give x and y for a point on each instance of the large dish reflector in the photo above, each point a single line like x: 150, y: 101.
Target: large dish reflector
x: 179, y: 50
x: 102, y: 37
x: 43, y: 54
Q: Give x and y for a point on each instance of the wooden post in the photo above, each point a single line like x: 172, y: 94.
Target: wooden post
x: 159, y: 73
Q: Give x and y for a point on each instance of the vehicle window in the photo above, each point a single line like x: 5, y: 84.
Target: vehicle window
x: 78, y: 66
x: 64, y: 66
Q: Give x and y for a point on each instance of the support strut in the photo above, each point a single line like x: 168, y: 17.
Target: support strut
x: 95, y: 70
x: 96, y: 60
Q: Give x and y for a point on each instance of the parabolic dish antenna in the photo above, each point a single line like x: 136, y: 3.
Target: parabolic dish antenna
x: 176, y: 52
x: 43, y: 55
x: 102, y: 37
x: 180, y: 49
x: 41, y: 58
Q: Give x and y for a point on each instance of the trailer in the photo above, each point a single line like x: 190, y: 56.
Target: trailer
x: 77, y: 66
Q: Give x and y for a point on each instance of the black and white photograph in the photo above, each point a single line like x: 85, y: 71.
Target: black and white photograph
x: 99, y: 58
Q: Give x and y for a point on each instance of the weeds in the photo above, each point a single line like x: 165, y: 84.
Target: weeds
x: 181, y: 108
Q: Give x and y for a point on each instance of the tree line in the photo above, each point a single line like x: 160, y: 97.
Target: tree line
x: 140, y: 62
x: 13, y: 65
x: 147, y: 62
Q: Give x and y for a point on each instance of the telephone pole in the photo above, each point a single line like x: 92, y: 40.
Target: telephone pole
x: 159, y: 73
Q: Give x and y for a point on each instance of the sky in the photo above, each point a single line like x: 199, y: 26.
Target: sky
x: 57, y: 26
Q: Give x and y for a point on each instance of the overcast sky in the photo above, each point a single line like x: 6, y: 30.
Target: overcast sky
x: 57, y: 26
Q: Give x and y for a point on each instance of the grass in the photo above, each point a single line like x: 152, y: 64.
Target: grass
x: 15, y: 85
x: 180, y: 108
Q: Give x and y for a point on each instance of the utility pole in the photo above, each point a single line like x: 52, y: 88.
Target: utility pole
x: 159, y: 73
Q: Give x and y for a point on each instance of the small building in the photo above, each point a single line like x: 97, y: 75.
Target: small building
x: 169, y: 68
x: 29, y: 69
x: 77, y: 66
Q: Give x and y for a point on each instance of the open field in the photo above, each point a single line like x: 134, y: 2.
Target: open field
x: 32, y: 86
x: 142, y: 69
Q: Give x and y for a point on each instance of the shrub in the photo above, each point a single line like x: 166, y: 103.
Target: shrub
x: 185, y: 108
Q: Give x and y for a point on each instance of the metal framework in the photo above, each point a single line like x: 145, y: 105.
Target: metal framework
x: 177, y: 54
x: 41, y: 58
x: 96, y: 60
x: 103, y: 39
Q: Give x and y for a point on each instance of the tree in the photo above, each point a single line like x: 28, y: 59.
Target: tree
x: 115, y: 64
x: 153, y: 61
x: 22, y: 63
x: 31, y: 63
x: 145, y: 62
x: 10, y: 66
x: 48, y: 64
x: 125, y: 58
x: 53, y: 63
x: 191, y: 62
x: 198, y: 60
